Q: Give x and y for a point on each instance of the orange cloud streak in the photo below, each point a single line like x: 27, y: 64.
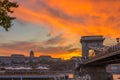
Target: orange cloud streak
x: 74, y: 17
x: 73, y: 8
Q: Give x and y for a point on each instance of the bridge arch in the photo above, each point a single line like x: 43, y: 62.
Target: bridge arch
x: 91, y: 53
x: 90, y: 41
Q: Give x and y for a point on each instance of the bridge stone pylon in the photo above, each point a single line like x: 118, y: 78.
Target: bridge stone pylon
x: 88, y: 41
x: 93, y: 69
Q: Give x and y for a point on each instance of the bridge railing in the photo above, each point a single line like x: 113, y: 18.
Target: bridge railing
x: 111, y: 49
x: 31, y: 73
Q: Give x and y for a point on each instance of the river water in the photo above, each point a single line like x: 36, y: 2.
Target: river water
x: 116, y: 76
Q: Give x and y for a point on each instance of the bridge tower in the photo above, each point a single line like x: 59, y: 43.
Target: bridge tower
x: 93, y: 70
x: 88, y: 41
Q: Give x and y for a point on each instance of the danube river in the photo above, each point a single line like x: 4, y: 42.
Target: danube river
x: 116, y: 76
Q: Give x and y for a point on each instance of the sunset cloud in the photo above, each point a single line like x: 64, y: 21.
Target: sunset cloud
x: 50, y: 47
x: 66, y: 22
x: 75, y: 16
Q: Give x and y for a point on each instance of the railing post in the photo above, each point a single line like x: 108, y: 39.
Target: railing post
x: 55, y: 78
x: 21, y: 78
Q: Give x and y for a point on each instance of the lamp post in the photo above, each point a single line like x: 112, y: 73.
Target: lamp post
x: 118, y: 40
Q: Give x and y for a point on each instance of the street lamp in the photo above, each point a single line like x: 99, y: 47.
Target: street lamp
x: 118, y: 40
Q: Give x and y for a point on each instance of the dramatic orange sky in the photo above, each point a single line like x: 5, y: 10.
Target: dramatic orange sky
x: 54, y: 27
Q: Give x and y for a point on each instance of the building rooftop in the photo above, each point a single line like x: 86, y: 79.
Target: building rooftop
x: 17, y: 55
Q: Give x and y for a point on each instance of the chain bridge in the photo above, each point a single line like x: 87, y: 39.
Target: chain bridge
x: 93, y: 64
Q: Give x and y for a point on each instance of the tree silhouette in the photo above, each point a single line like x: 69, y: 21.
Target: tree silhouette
x: 5, y: 9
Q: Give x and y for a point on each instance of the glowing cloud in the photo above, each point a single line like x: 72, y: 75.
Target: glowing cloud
x: 74, y: 18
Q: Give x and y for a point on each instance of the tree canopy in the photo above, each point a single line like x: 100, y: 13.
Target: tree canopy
x: 5, y: 10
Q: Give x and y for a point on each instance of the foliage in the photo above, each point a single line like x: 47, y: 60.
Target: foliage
x: 5, y: 10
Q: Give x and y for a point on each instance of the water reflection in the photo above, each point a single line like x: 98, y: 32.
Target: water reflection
x: 116, y: 77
